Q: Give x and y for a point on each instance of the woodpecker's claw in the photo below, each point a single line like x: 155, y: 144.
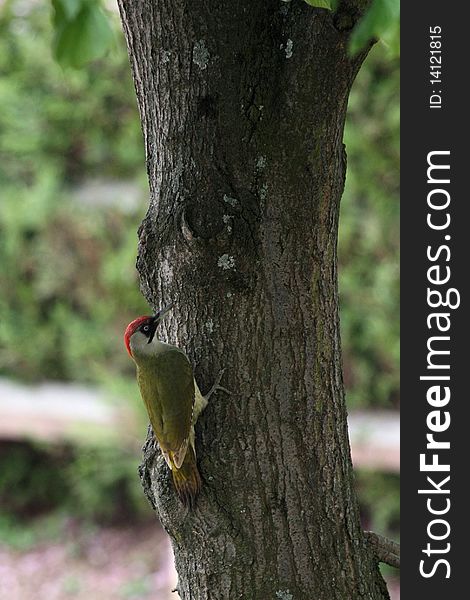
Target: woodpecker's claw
x: 150, y: 448
x: 216, y: 386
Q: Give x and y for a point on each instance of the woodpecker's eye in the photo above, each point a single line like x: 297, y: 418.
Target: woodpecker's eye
x: 145, y: 328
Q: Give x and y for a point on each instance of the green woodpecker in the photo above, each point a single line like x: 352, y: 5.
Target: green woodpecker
x: 172, y: 398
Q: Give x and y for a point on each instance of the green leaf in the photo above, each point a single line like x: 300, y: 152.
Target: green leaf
x: 65, y: 10
x: 381, y: 18
x: 83, y: 37
x: 330, y: 4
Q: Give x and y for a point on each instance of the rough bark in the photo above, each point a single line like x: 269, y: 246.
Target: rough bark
x: 242, y: 107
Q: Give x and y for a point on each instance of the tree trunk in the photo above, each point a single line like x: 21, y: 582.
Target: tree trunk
x: 243, y: 106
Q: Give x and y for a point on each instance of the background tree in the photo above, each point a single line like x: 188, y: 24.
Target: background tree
x: 242, y: 107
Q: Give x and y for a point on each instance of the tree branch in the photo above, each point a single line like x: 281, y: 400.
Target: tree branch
x: 349, y: 12
x: 385, y: 550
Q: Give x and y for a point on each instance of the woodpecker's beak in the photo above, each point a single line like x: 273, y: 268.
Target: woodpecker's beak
x: 161, y: 313
x: 156, y: 320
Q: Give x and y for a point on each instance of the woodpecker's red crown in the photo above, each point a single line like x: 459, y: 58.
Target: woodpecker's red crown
x: 147, y: 325
x: 132, y: 328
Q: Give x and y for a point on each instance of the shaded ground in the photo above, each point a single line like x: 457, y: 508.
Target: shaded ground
x: 106, y: 564
x: 130, y: 563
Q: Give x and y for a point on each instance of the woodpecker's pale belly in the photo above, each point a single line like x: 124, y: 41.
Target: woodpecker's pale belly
x: 200, y: 403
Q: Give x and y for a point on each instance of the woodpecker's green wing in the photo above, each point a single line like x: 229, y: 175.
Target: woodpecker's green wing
x: 167, y: 386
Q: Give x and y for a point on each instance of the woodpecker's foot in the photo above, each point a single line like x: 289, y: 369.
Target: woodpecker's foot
x: 151, y: 449
x: 217, y: 387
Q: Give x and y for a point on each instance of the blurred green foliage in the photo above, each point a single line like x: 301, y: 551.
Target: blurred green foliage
x: 94, y: 483
x: 381, y: 21
x: 66, y: 275
x: 30, y: 480
x: 379, y: 494
x: 104, y: 489
x: 67, y: 270
x: 82, y: 31
x: 73, y: 123
x: 369, y: 237
x: 14, y: 532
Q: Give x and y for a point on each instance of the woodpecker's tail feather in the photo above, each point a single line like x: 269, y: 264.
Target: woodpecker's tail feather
x: 187, y: 479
